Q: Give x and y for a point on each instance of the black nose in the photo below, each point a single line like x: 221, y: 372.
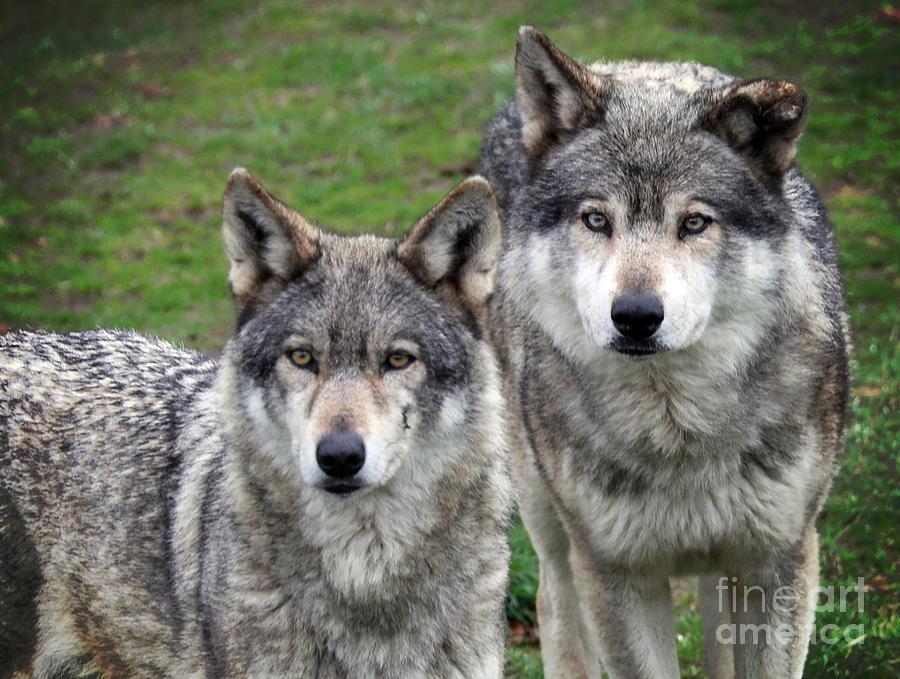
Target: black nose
x: 341, y: 455
x: 637, y: 314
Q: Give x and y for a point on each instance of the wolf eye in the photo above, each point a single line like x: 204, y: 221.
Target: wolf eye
x: 398, y: 361
x: 597, y: 221
x: 301, y: 358
x: 694, y: 224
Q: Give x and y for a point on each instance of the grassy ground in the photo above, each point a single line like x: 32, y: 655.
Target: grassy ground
x: 120, y: 121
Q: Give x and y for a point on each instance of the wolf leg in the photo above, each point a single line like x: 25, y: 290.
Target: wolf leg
x: 631, y: 618
x: 562, y: 630
x: 20, y: 581
x: 774, y: 615
x: 715, y: 606
x: 59, y: 652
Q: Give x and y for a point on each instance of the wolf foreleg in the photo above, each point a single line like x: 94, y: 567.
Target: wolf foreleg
x: 563, y: 634
x: 774, y: 614
x: 631, y: 618
x: 718, y: 658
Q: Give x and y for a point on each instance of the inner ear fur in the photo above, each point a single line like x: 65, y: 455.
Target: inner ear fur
x: 557, y: 96
x: 455, y: 248
x: 761, y: 119
x: 265, y: 240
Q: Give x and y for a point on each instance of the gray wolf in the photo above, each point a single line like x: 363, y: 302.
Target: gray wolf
x: 672, y: 324
x: 327, y: 499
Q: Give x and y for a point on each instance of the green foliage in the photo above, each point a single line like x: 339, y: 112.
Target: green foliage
x: 120, y: 122
x: 524, y: 662
x: 523, y: 577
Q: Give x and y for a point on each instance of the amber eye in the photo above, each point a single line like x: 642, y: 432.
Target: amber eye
x: 301, y: 357
x: 597, y: 221
x: 398, y: 361
x: 694, y: 224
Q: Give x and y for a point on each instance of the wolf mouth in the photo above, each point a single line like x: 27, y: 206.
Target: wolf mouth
x: 341, y: 487
x: 635, y: 350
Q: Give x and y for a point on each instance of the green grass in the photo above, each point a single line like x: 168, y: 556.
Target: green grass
x: 120, y: 121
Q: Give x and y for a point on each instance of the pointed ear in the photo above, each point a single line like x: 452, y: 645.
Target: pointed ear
x: 557, y: 95
x: 264, y: 238
x: 456, y: 246
x: 762, y: 119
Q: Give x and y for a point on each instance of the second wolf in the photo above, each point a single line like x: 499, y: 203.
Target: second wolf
x: 328, y: 500
x: 676, y: 346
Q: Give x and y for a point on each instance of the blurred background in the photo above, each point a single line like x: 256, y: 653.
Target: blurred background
x: 119, y: 123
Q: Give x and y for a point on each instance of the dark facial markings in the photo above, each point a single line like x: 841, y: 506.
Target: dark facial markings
x: 404, y: 413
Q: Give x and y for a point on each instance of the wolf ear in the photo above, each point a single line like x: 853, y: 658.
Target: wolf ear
x: 557, y: 95
x: 456, y: 246
x: 264, y: 238
x: 762, y: 119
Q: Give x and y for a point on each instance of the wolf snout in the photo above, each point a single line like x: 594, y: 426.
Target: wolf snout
x: 637, y: 315
x: 341, y: 455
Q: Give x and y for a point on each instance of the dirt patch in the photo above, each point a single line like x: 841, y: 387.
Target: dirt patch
x: 103, y: 123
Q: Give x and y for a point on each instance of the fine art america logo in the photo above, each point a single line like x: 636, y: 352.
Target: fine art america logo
x: 758, y: 619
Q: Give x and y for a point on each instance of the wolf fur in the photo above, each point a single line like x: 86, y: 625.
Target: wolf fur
x: 709, y: 447
x: 162, y: 513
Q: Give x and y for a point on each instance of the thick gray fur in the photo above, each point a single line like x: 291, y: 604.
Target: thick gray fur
x: 157, y: 513
x: 713, y: 455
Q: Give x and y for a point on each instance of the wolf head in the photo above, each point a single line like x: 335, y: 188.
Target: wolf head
x: 654, y: 207
x: 355, y: 358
